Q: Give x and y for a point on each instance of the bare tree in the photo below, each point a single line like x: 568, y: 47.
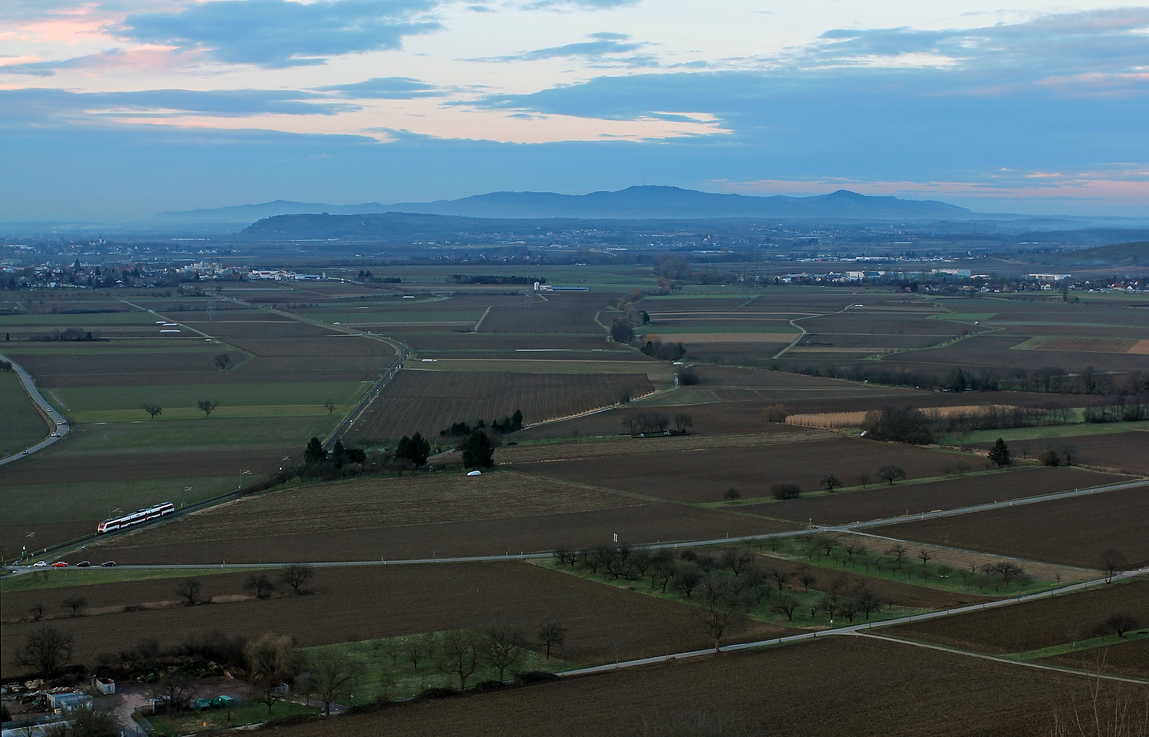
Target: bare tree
x: 272, y: 661
x: 176, y: 691
x: 891, y: 473
x: 683, y: 421
x: 898, y: 553
x: 47, y: 650
x: 333, y: 675
x: 152, y: 409
x: 686, y: 578
x: 831, y: 482
x: 552, y: 635
x: 806, y: 578
x: 418, y: 648
x: 925, y: 556
x: 502, y: 645
x: 75, y: 603
x: 1111, y: 561
x: 736, y: 560
x: 207, y: 406
x: 260, y: 584
x: 721, y: 607
x: 732, y: 495
x: 458, y: 655
x: 295, y: 576
x: 188, y: 589
x: 852, y: 548
x: 786, y: 604
x: 864, y: 479
x: 222, y: 361
x: 329, y: 405
x: 1120, y: 622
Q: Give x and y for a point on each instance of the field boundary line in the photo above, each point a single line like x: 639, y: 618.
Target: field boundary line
x: 997, y: 659
x: 57, y: 424
x: 1088, y: 491
x: 984, y: 553
x: 484, y: 317
x: 804, y: 332
x: 857, y: 628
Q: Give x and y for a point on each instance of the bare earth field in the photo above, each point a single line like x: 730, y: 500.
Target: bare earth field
x: 1070, y: 531
x: 372, y: 503
x: 881, y: 501
x: 819, y: 689
x: 1033, y: 625
x: 750, y: 470
x: 366, y: 603
x: 634, y: 524
x: 430, y: 401
x: 1128, y: 452
x: 1122, y: 658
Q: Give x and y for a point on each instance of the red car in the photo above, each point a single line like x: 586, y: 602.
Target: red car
x: 59, y: 564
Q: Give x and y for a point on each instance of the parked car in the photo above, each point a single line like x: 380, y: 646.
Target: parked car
x: 59, y: 564
x: 108, y: 564
x: 84, y: 564
x: 39, y: 564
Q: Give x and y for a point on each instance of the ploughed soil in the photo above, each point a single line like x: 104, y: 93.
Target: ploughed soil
x: 883, y: 501
x: 705, y: 475
x: 356, y: 603
x: 1121, y: 658
x: 1033, y: 625
x: 824, y: 688
x: 644, y: 523
x: 1071, y: 531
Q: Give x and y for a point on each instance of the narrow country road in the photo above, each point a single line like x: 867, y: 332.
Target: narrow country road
x: 60, y: 428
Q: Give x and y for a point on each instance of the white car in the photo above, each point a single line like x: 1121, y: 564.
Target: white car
x: 39, y: 564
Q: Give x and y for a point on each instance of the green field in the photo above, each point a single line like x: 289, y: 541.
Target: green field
x: 87, y: 322
x: 78, y: 501
x: 395, y: 678
x: 23, y: 425
x: 1047, y: 431
x: 173, y: 396
x: 168, y: 432
x: 55, y: 578
x: 241, y: 715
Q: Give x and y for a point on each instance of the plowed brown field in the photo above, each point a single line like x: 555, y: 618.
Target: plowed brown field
x: 366, y: 603
x: 1071, y: 531
x: 825, y: 688
x: 705, y: 475
x: 1033, y: 625
x: 430, y: 401
x: 881, y: 501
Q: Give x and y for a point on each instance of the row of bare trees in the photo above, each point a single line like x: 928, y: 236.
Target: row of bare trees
x: 656, y: 423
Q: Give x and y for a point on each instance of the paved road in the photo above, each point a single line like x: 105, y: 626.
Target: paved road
x: 61, y: 428
x: 864, y: 628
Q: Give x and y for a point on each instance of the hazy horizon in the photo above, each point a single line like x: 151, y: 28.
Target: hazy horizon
x: 120, y: 110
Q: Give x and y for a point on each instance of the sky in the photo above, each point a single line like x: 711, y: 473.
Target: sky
x: 113, y: 110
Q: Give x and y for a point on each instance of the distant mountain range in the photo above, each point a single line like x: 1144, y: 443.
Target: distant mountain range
x: 633, y: 203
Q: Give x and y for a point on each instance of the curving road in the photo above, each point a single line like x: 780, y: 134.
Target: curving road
x: 61, y: 425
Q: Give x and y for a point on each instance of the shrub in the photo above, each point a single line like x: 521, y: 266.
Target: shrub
x: 785, y: 491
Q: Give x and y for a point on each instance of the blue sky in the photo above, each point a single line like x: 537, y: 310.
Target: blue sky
x: 117, y: 109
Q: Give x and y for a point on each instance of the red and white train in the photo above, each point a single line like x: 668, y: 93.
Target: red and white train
x: 135, y: 518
